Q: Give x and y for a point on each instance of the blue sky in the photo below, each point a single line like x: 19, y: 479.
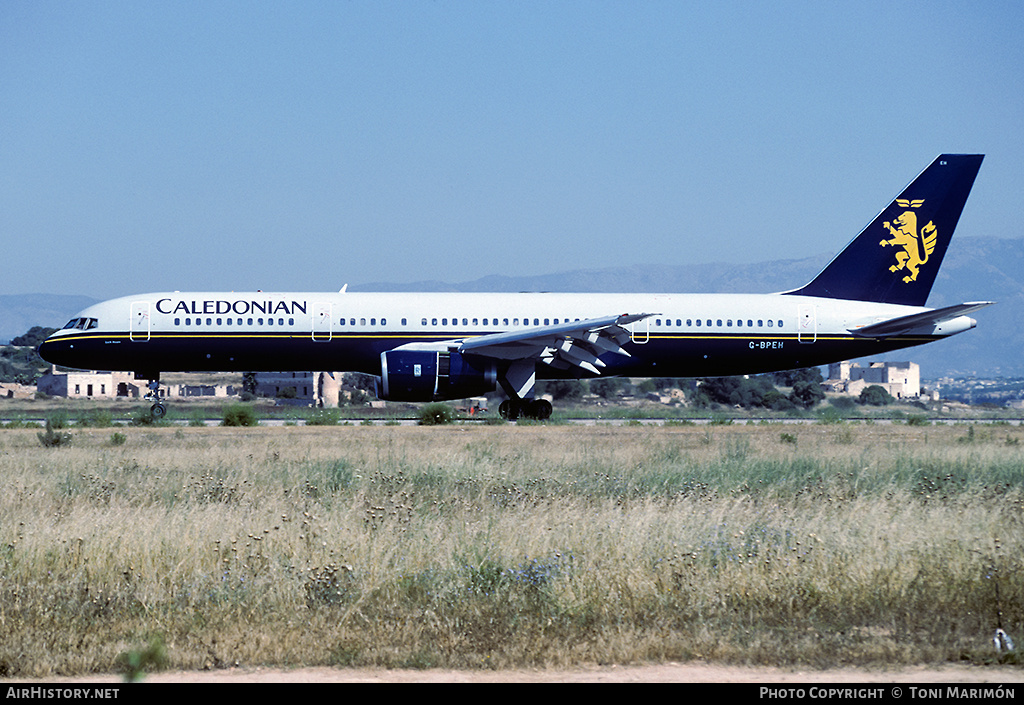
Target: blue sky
x: 303, y: 145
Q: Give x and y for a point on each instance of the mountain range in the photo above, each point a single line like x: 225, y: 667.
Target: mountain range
x: 974, y: 269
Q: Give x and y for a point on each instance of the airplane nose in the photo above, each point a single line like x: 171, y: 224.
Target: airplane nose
x: 50, y: 350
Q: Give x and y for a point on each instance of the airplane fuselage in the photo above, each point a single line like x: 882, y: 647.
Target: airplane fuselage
x: 688, y: 335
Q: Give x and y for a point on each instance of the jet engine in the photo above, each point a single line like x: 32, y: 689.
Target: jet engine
x: 429, y: 375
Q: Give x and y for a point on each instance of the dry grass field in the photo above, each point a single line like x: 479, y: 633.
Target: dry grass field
x: 494, y: 547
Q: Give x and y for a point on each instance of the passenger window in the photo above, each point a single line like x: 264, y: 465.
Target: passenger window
x: 698, y: 323
x: 250, y: 321
x: 769, y: 323
x: 505, y: 321
x: 719, y: 322
x: 689, y: 322
x: 728, y: 323
x: 444, y: 321
x: 280, y: 321
x: 229, y: 321
x: 405, y: 321
x: 780, y: 324
x: 383, y: 321
x: 362, y: 321
x: 750, y: 323
x: 177, y: 321
x: 373, y: 321
x: 433, y: 321
x: 475, y: 322
x: 423, y: 322
x: 546, y: 321
x: 270, y: 321
x: 259, y: 321
x: 515, y: 321
x: 220, y: 321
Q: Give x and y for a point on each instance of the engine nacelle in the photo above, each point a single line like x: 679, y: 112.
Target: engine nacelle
x: 431, y: 375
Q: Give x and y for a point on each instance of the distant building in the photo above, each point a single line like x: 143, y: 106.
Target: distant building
x: 11, y: 390
x: 78, y: 384
x: 318, y: 389
x: 201, y: 390
x: 901, y: 379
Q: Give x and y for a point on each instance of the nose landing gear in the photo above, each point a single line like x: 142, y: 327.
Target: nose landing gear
x: 159, y: 409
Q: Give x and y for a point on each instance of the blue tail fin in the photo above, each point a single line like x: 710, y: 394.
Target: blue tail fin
x: 895, y: 258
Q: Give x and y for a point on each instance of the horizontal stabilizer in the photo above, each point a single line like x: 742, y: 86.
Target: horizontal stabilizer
x: 917, y: 321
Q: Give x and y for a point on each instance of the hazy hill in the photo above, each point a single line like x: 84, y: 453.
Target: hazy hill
x: 19, y: 312
x: 975, y: 269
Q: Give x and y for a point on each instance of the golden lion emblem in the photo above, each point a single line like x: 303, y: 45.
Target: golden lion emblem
x: 916, y: 246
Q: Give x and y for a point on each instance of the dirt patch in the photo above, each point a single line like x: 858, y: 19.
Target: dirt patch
x: 658, y: 673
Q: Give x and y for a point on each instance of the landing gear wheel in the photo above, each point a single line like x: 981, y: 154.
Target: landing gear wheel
x: 512, y: 409
x: 539, y: 409
x: 158, y: 411
x: 509, y: 410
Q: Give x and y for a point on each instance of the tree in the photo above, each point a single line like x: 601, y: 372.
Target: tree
x: 606, y: 387
x: 741, y: 391
x: 875, y: 396
x: 806, y: 394
x: 35, y: 335
x: 788, y: 378
x: 567, y: 389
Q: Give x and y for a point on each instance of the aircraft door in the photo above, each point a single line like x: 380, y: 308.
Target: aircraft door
x: 139, y: 326
x: 807, y: 324
x: 322, y: 321
x: 640, y: 331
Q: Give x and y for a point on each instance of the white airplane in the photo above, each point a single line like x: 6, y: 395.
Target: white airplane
x: 869, y: 299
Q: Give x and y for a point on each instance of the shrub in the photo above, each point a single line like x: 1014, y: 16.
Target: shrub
x: 436, y: 414
x: 239, y: 415
x: 875, y: 396
x: 54, y: 436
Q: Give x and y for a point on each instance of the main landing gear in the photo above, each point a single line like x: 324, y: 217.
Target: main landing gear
x: 512, y: 409
x: 518, y: 380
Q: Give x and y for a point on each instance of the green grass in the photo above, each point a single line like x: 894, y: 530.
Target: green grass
x: 499, y: 546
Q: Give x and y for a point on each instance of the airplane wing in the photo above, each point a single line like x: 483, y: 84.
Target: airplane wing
x: 562, y: 346
x: 917, y: 321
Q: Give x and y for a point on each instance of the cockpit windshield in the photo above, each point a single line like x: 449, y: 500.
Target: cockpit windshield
x: 81, y: 323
